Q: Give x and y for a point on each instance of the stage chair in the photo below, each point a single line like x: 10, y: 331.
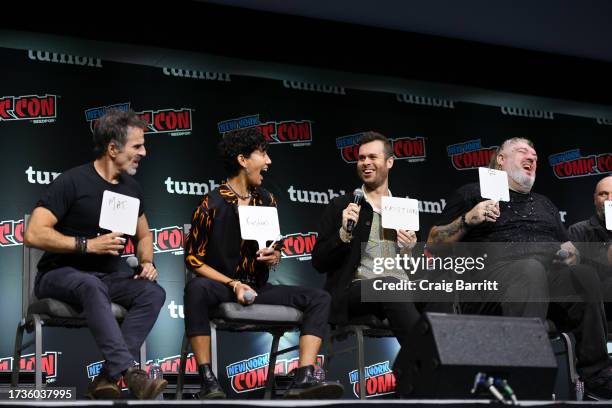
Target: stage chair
x: 49, y: 312
x: 233, y: 317
x: 365, y: 325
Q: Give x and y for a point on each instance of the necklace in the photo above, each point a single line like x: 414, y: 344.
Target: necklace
x: 246, y: 197
x: 531, y: 209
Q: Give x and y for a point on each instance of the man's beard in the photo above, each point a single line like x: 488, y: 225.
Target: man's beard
x: 601, y: 213
x: 523, y: 180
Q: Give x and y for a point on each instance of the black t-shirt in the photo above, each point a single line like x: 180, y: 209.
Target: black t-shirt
x: 75, y: 198
x: 531, y: 218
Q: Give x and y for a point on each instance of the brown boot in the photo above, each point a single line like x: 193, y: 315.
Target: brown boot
x: 103, y: 388
x: 142, y: 386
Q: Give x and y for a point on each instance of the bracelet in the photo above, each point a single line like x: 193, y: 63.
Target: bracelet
x: 233, y: 287
x: 80, y: 245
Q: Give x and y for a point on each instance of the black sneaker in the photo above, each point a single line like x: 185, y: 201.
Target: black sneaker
x: 103, y: 388
x: 306, y: 386
x: 210, y: 388
x: 599, y: 385
x: 142, y: 386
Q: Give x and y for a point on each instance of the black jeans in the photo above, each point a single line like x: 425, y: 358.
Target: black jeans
x: 93, y: 292
x: 402, y: 315
x: 203, y: 294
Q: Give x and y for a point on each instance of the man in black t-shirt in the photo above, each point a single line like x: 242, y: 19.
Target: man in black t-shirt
x: 595, y: 241
x: 82, y: 266
x: 532, y: 260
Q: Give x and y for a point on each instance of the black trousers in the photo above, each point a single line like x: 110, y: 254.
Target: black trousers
x: 203, y: 294
x: 570, y: 296
x: 402, y: 315
x: 94, y: 292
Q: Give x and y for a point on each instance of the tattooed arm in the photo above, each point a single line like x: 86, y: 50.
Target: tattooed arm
x: 484, y: 211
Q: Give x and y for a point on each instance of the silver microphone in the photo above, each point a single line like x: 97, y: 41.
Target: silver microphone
x: 249, y: 297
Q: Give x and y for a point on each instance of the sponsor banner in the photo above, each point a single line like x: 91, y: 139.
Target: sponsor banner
x: 36, y: 108
x: 165, y: 240
x: 299, y: 245
x: 404, y: 148
x: 572, y: 164
x: 294, y: 132
x: 312, y: 87
x: 251, y: 373
x: 175, y: 122
x: 425, y: 101
x: 11, y: 233
x: 59, y: 58
x: 27, y: 363
x: 194, y: 74
x: 470, y: 154
x: 379, y: 380
x: 527, y: 113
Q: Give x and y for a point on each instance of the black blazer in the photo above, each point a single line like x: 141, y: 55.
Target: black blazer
x: 339, y: 260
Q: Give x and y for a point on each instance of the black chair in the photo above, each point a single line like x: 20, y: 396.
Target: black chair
x: 233, y: 317
x: 49, y: 312
x: 360, y: 327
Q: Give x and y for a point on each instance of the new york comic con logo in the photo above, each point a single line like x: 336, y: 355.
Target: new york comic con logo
x: 175, y: 122
x: 294, y: 132
x: 470, y: 154
x: 379, y: 380
x: 27, y: 363
x: 572, y: 164
x: 11, y: 233
x: 411, y: 149
x: 299, y: 245
x: 38, y: 109
x: 251, y: 374
x: 166, y: 239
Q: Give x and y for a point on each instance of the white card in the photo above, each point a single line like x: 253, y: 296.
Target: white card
x: 119, y: 213
x: 258, y: 223
x: 494, y: 184
x: 400, y: 213
x: 608, y: 214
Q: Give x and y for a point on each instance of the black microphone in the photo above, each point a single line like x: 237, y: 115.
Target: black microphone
x: 357, y: 198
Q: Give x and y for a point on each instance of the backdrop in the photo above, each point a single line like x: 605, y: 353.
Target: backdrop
x: 48, y: 103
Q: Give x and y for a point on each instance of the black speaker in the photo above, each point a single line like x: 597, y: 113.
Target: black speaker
x: 443, y: 354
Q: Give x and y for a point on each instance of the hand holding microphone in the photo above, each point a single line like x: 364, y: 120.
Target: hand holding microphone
x: 146, y: 270
x: 350, y: 215
x: 245, y: 295
x: 249, y: 297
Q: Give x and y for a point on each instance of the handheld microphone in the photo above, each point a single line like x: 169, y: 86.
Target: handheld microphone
x: 249, y: 297
x: 132, y: 261
x: 357, y: 198
x: 562, y: 254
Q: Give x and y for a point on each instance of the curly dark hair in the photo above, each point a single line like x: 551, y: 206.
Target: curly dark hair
x: 113, y: 127
x: 240, y: 142
x: 371, y: 136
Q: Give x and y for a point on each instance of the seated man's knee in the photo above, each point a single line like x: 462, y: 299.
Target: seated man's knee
x: 156, y: 294
x: 532, y: 271
x: 91, y: 287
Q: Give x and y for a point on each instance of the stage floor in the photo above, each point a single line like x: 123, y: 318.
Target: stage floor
x: 293, y: 403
